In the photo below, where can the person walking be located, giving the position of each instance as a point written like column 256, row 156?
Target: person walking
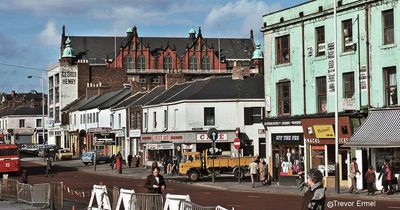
column 24, row 177
column 49, row 167
column 155, row 182
column 130, row 158
column 253, row 166
column 353, row 175
column 313, row 191
column 263, row 172
column 118, row 163
column 169, row 166
column 112, row 161
column 165, row 162
column 370, row 177
column 386, row 173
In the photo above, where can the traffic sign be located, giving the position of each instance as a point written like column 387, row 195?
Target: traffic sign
column 236, row 143
column 212, row 134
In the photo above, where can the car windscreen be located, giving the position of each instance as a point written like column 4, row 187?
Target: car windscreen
column 87, row 154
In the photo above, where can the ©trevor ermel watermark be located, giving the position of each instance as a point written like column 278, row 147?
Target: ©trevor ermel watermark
column 356, row 203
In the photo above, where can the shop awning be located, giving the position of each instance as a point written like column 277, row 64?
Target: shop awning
column 380, row 129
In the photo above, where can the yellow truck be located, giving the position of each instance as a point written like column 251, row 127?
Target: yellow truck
column 197, row 165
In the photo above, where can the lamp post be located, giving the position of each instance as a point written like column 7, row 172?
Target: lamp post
column 43, row 102
column 337, row 179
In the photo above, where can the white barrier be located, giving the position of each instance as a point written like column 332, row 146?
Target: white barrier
column 221, row 208
column 103, row 202
column 125, row 199
column 172, row 201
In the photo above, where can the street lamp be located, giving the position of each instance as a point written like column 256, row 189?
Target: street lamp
column 42, row 83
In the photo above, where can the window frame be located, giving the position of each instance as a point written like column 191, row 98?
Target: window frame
column 388, row 28
column 205, row 63
column 348, row 89
column 281, row 99
column 321, row 89
column 128, row 62
column 388, row 71
column 319, row 39
column 209, row 116
column 168, row 62
column 347, row 25
column 141, row 62
column 193, row 63
column 280, row 51
column 22, row 123
column 154, row 119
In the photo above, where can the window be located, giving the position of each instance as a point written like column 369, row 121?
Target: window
column 283, row 98
column 320, row 40
column 282, row 49
column 128, row 62
column 175, row 117
column 51, row 113
column 57, row 79
column 51, row 96
column 165, row 119
column 167, row 62
column 205, row 63
column 209, row 116
column 111, row 120
column 57, row 114
column 390, row 86
column 347, row 35
column 348, row 85
column 21, row 123
column 253, row 115
column 50, row 82
column 57, row 95
column 38, row 123
column 388, row 27
column 141, row 62
column 119, row 120
column 145, row 120
column 154, row 119
column 321, row 94
column 74, row 119
column 193, row 63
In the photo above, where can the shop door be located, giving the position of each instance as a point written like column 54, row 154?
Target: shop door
column 276, row 164
column 343, row 154
column 262, row 147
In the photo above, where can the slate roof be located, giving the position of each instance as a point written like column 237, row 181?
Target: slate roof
column 24, row 110
column 214, row 88
column 82, row 103
column 96, row 49
column 149, row 96
column 129, row 100
column 116, row 99
column 106, row 100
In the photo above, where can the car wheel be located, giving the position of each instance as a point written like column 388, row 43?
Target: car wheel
column 236, row 173
column 86, row 163
column 193, row 175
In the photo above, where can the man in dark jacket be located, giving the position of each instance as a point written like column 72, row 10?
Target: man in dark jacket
column 313, row 191
column 155, row 183
column 24, row 177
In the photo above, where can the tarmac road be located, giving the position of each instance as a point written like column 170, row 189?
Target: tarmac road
column 80, row 178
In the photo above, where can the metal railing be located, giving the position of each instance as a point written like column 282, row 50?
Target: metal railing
column 147, row 201
column 24, row 193
column 8, row 189
column 187, row 205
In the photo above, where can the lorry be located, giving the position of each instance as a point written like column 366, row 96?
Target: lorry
column 197, row 165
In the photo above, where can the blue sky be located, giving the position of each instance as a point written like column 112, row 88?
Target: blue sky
column 30, row 29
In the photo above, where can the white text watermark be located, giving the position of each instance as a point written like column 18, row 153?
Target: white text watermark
column 357, row 203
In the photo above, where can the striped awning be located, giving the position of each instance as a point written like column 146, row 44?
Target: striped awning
column 380, row 129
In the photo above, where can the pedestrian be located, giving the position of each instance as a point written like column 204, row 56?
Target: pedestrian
column 263, row 172
column 165, row 162
column 112, row 161
column 370, row 177
column 49, row 167
column 313, row 191
column 24, row 177
column 169, row 166
column 175, row 166
column 130, row 158
column 253, row 173
column 118, row 163
column 155, row 182
column 138, row 161
column 353, row 175
column 387, row 174
column 154, row 164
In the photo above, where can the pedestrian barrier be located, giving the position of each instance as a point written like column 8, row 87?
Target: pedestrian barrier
column 125, row 198
column 99, row 193
column 187, row 205
column 24, row 193
column 172, row 201
column 8, row 188
column 221, row 208
column 56, row 194
column 115, row 197
column 146, row 201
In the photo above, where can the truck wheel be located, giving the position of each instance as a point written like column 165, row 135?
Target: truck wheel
column 193, row 175
column 236, row 173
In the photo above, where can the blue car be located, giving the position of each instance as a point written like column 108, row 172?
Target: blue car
column 87, row 157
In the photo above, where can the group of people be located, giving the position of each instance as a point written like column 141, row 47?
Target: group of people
column 385, row 173
column 259, row 172
column 170, row 165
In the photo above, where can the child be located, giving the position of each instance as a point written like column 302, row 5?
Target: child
column 370, row 177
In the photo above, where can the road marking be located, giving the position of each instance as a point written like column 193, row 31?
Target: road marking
column 393, row 207
column 253, row 196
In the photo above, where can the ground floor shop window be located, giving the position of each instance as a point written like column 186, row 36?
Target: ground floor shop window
column 391, row 154
column 158, row 155
column 288, row 160
column 318, row 153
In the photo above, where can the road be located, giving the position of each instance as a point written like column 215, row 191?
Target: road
column 80, row 181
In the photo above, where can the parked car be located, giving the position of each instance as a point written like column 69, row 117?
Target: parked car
column 64, row 154
column 32, row 149
column 51, row 148
column 87, row 157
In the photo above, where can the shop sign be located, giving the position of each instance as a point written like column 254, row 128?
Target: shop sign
column 324, row 131
column 349, row 103
column 261, row 131
column 99, row 130
column 118, row 133
column 134, row 133
column 165, row 146
column 187, row 146
column 103, row 141
column 282, row 123
column 152, row 146
column 203, row 137
column 287, row 138
column 23, row 131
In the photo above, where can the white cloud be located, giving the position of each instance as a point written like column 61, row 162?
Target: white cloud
column 238, row 17
column 48, row 36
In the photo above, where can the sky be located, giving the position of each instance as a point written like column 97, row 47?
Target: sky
column 30, row 30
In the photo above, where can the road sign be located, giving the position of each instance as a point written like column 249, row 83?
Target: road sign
column 236, row 143
column 212, row 134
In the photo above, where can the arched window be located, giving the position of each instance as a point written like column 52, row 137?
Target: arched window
column 167, row 62
column 141, row 62
column 205, row 63
column 128, row 62
column 193, row 63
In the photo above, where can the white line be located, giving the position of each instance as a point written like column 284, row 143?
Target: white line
column 392, row 207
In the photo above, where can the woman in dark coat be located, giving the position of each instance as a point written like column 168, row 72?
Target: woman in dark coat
column 24, row 177
column 155, row 183
column 387, row 175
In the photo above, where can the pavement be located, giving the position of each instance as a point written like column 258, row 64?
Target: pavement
column 222, row 182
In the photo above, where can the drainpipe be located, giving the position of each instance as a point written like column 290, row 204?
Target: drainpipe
column 367, row 52
column 359, row 56
column 303, row 68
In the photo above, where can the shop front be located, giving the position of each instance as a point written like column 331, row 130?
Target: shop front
column 319, row 138
column 119, row 142
column 222, row 144
column 100, row 139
